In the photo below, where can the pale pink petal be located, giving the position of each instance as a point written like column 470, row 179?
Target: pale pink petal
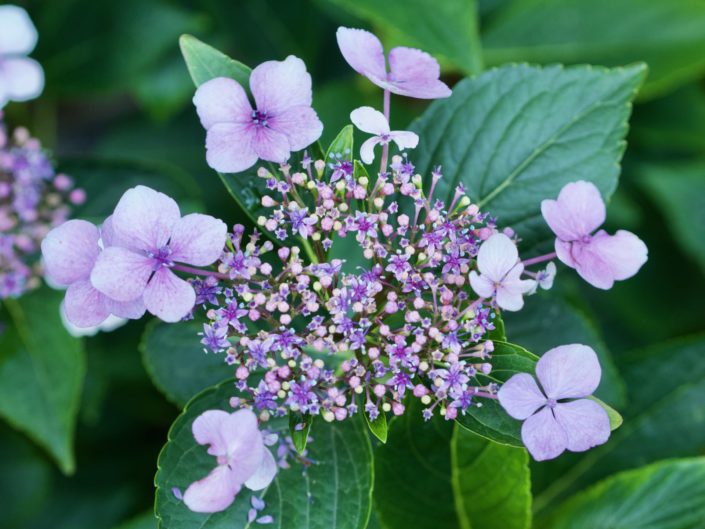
column 21, row 78
column 18, row 36
column 415, row 73
column 271, row 145
column 280, row 85
column 578, row 211
column 108, row 237
column 481, row 285
column 145, row 217
column 369, row 120
column 169, row 297
column 564, row 251
column 244, row 441
column 84, row 305
column 569, row 371
column 121, row 274
column 591, row 266
column 543, row 436
column 264, row 474
column 214, row 493
column 497, row 256
column 198, row 239
column 622, row 254
column 363, row 51
column 230, row 147
column 585, row 422
column 70, row 251
column 405, row 139
column 131, row 310
column 509, row 299
column 520, row 396
column 207, row 430
column 367, row 150
column 299, row 124
column 222, row 100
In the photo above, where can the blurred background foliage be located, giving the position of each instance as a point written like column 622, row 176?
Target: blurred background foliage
column 116, row 111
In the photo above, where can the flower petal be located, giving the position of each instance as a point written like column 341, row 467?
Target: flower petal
column 206, row 429
column 569, row 371
column 280, row 85
column 414, row 73
column 363, row 51
column 369, row 120
column 214, row 493
column 520, row 396
column 405, row 139
column 222, row 100
column 132, row 310
column 264, row 474
column 578, row 211
column 481, row 285
column 299, row 124
column 18, row 36
column 244, row 441
column 121, row 274
column 271, row 145
column 169, row 297
column 564, row 251
column 70, row 251
column 230, row 147
column 367, row 150
column 198, row 239
column 497, row 256
column 585, row 422
column 610, row 257
column 84, row 305
column 21, row 79
column 510, row 299
column 145, row 217
column 543, row 436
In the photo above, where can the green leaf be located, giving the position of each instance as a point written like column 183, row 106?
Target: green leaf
column 548, row 321
column 666, row 495
column 668, row 36
column 333, row 492
column 616, row 419
column 490, row 420
column 434, row 475
column 516, row 135
column 205, row 63
column 378, row 427
column 410, row 23
column 664, row 419
column 143, row 521
column 679, row 190
column 341, row 148
column 177, row 363
column 41, row 374
column 299, row 429
column 491, row 482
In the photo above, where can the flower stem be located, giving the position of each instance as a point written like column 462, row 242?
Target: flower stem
column 539, row 259
column 385, row 147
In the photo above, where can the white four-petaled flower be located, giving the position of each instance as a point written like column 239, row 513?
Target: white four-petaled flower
column 372, row 121
column 21, row 78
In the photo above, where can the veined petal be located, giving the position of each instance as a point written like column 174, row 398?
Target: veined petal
column 264, row 474
column 280, row 85
column 230, row 147
column 271, row 145
column 363, row 51
column 198, row 239
column 510, row 299
column 569, row 371
column 18, row 36
column 214, row 493
column 244, row 442
column 21, row 78
column 84, row 305
column 543, row 436
column 564, row 251
column 497, row 256
column 369, row 120
column 121, row 274
column 222, row 100
column 585, row 422
column 207, row 430
column 70, row 251
column 145, row 217
column 520, row 396
column 405, row 139
column 414, row 73
column 578, row 211
column 481, row 285
column 367, row 149
column 131, row 310
column 611, row 257
column 299, row 124
column 169, row 297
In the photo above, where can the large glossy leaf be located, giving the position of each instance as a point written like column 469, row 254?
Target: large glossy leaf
column 668, row 36
column 516, row 135
column 434, row 475
column 409, row 23
column 664, row 419
column 177, row 362
column 666, row 495
column 333, row 492
column 547, row 321
column 41, row 374
column 205, row 62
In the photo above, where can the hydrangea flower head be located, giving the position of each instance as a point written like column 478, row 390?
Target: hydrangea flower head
column 243, row 459
column 372, row 121
column 412, row 72
column 281, row 122
column 500, row 273
column 21, row 78
column 147, row 237
column 557, row 416
column 600, row 258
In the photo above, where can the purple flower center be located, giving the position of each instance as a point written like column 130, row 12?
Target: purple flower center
column 162, row 258
column 551, row 403
column 259, row 118
column 585, row 239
